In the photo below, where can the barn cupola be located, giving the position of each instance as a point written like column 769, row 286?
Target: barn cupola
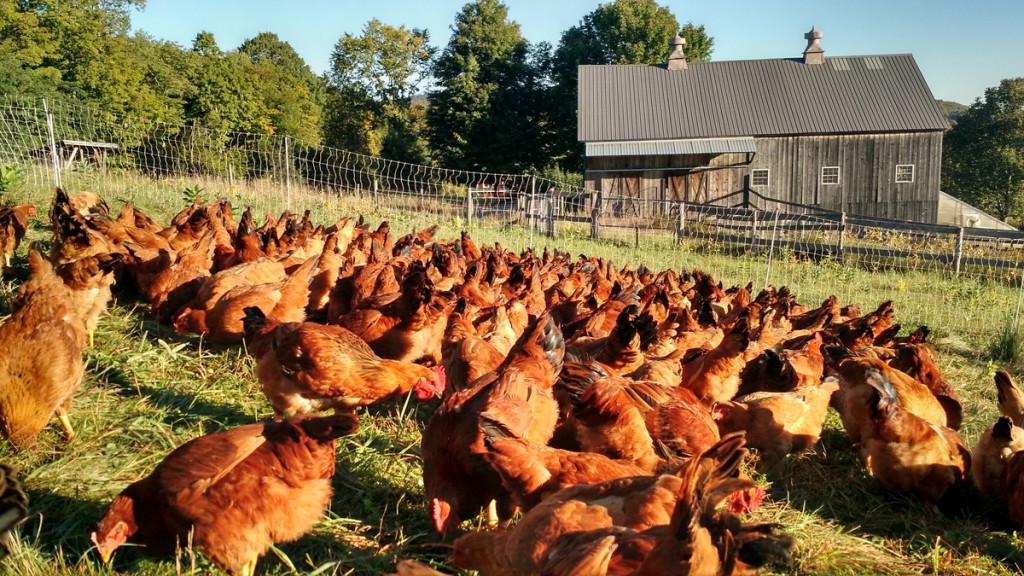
column 676, row 57
column 814, row 53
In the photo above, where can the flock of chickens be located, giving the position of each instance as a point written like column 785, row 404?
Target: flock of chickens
column 610, row 407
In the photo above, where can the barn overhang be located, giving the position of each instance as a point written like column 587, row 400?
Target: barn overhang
column 743, row 144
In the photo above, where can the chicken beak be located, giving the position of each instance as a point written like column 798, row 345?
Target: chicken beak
column 103, row 550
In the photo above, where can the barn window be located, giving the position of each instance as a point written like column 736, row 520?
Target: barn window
column 759, row 177
column 830, row 174
column 904, row 173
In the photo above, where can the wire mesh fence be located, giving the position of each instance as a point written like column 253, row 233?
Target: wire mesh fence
column 743, row 237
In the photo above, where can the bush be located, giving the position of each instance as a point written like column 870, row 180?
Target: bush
column 1007, row 344
column 10, row 176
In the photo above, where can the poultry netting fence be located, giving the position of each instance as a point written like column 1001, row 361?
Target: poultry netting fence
column 957, row 278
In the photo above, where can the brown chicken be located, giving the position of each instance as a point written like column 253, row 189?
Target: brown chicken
column 1011, row 401
column 73, row 238
column 465, row 355
column 13, row 225
column 34, row 385
column 919, row 360
column 531, row 473
column 714, row 376
column 637, row 503
column 640, row 525
column 908, row 453
column 1012, row 488
column 404, row 326
column 13, row 505
column 284, row 301
column 778, row 369
column 683, row 424
column 457, row 480
column 306, row 367
column 777, row 423
column 609, row 413
column 854, row 369
column 230, row 494
column 90, row 280
column 995, row 447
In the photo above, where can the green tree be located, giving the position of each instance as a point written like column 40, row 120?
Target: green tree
column 373, row 79
column 983, row 158
column 224, row 90
column 49, row 45
column 292, row 94
column 620, row 32
column 491, row 97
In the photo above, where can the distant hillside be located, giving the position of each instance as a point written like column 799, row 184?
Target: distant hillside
column 951, row 110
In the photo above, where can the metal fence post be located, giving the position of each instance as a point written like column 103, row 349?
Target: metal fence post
column 287, row 174
column 595, row 213
column 469, row 206
column 753, row 231
column 958, row 252
column 842, row 236
column 54, row 159
column 681, row 230
column 376, row 197
column 551, row 215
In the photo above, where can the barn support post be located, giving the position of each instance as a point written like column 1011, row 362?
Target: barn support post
column 595, row 213
column 746, row 191
column 469, row 206
column 842, row 236
column 958, row 251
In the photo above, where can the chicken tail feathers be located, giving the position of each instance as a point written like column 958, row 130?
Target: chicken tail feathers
column 886, row 401
column 542, row 338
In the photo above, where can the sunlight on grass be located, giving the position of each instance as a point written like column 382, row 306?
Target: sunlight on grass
column 147, row 390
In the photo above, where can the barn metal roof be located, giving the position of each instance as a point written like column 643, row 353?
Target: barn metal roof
column 845, row 95
column 672, row 147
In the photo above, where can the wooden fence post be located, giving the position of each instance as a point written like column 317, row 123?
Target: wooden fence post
column 842, row 236
column 469, row 206
column 958, row 252
column 595, row 213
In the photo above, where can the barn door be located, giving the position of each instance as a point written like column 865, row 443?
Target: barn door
column 626, row 195
column 689, row 186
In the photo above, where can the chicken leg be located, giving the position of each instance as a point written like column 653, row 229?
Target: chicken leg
column 62, row 415
column 250, row 567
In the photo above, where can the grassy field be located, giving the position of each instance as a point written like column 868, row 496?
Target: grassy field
column 147, row 390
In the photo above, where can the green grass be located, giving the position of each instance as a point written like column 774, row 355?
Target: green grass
column 147, row 390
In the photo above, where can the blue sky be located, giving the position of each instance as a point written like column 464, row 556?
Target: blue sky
column 962, row 48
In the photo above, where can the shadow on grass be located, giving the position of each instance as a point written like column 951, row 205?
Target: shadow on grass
column 833, row 484
column 62, row 523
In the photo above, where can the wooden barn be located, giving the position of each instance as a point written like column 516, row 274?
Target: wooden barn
column 860, row 134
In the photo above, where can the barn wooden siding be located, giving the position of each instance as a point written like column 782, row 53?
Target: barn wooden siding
column 867, row 175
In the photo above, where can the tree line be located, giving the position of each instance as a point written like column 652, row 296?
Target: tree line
column 487, row 100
